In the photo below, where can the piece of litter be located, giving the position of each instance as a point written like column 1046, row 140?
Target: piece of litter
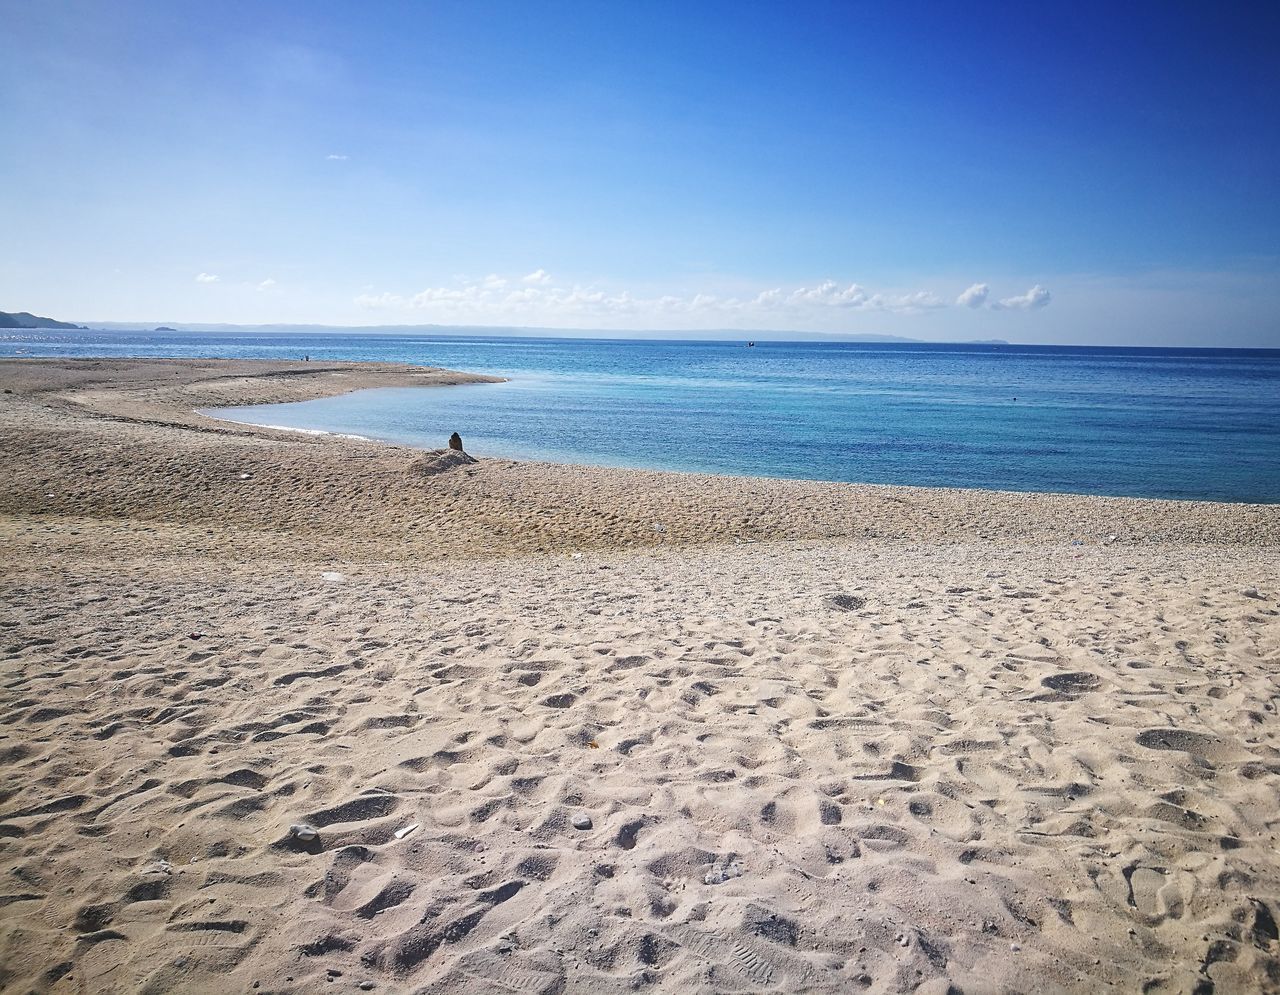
column 405, row 831
column 245, row 476
column 333, row 576
column 303, row 832
column 576, row 556
column 159, row 867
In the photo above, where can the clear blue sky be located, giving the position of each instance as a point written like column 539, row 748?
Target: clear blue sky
column 1071, row 173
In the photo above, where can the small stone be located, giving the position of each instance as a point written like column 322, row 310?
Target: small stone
column 1015, row 947
column 581, row 820
column 1253, row 592
column 366, row 986
column 304, row 833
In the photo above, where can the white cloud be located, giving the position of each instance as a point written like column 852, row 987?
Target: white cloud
column 378, row 302
column 335, row 157
column 1035, row 298
column 829, row 294
column 535, row 297
column 206, row 278
column 979, row 296
column 267, row 284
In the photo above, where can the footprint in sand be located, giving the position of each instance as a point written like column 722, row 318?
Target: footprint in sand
column 1198, row 744
column 1076, row 682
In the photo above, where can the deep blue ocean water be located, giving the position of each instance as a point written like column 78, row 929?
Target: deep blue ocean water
column 1176, row 423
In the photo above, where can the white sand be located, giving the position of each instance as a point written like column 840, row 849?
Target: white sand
column 1010, row 763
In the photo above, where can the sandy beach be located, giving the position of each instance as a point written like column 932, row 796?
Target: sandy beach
column 548, row 728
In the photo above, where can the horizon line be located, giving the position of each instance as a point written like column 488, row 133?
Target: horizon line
column 605, row 334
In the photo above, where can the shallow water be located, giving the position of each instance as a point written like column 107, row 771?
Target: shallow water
column 1174, row 423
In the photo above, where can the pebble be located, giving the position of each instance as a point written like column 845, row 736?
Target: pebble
column 581, row 821
column 1253, row 592
column 303, row 832
column 1015, row 947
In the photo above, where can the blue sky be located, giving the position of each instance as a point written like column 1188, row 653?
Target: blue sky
column 936, row 170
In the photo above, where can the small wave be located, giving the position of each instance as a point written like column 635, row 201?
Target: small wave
column 288, row 428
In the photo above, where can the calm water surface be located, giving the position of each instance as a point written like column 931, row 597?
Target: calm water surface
column 1174, row 423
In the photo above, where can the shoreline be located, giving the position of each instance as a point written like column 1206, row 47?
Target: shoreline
column 315, row 380
column 746, row 478
column 120, row 441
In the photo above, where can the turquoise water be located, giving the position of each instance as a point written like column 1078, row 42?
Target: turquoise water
column 1177, row 423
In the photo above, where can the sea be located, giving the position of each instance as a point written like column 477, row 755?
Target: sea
column 1198, row 424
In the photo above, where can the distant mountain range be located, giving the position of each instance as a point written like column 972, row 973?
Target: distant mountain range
column 25, row 319
column 713, row 335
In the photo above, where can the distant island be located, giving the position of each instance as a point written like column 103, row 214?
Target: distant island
column 165, row 328
column 25, row 319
